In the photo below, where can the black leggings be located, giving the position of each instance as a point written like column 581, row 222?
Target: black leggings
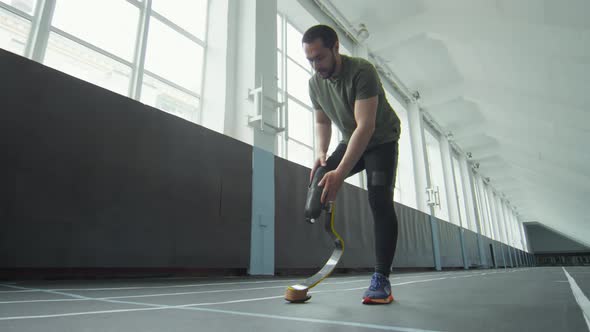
column 380, row 163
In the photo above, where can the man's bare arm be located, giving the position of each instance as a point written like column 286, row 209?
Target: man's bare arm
column 323, row 127
column 365, row 112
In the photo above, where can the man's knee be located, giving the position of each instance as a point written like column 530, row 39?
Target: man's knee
column 380, row 197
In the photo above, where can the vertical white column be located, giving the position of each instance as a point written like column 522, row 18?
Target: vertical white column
column 525, row 242
column 500, row 227
column 472, row 179
column 462, row 223
column 516, row 237
column 417, row 142
column 497, row 205
column 507, row 229
column 469, row 201
column 361, row 51
column 40, row 28
column 255, row 53
column 447, row 163
column 136, row 81
column 494, row 222
column 254, row 50
column 422, row 175
column 494, row 217
column 483, row 206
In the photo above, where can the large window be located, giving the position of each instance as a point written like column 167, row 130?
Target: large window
column 489, row 197
column 480, row 205
column 25, row 6
column 86, row 63
column 175, row 57
column 152, row 51
column 405, row 185
column 15, row 24
column 94, row 41
column 459, row 192
column 297, row 142
column 110, row 25
column 188, row 15
column 501, row 221
column 435, row 167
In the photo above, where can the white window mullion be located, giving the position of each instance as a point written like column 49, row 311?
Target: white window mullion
column 40, row 28
column 16, row 11
column 284, row 87
column 136, row 81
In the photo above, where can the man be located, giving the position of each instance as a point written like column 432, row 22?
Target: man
column 347, row 91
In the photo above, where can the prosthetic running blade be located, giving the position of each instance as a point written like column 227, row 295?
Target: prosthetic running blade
column 298, row 293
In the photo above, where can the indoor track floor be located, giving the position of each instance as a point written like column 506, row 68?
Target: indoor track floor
column 523, row 299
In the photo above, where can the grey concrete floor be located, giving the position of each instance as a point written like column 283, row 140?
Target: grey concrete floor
column 524, row 299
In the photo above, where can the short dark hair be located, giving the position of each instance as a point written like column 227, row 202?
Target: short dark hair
column 323, row 32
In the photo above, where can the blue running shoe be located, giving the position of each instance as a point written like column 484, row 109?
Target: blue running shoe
column 379, row 292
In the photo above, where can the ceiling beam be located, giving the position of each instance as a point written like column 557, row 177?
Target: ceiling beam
column 491, row 26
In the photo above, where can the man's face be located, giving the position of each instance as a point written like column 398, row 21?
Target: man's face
column 321, row 58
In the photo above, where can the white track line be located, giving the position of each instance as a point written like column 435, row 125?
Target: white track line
column 153, row 287
column 57, row 291
column 202, row 285
column 83, row 298
column 160, row 287
column 192, row 305
column 581, row 299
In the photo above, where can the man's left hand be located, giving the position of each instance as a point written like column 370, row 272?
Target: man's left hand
column 332, row 181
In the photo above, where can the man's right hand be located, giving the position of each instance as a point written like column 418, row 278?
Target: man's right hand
column 321, row 161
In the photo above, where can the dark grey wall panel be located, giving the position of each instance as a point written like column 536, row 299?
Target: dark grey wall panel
column 93, row 179
column 450, row 244
column 486, row 249
column 414, row 246
column 299, row 244
column 545, row 240
column 471, row 248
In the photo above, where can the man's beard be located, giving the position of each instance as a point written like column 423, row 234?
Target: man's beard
column 332, row 70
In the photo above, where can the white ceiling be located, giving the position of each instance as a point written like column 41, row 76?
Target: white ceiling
column 511, row 81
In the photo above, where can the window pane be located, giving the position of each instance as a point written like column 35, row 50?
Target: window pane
column 489, row 211
column 405, row 162
column 300, row 125
column 280, row 71
column 300, row 154
column 279, row 32
column 108, row 24
column 191, row 15
column 27, row 6
column 295, row 48
column 161, row 95
column 76, row 60
column 13, row 32
column 334, row 140
column 460, row 193
column 480, row 207
column 174, row 57
column 484, row 209
column 297, row 82
column 344, row 50
column 436, row 174
column 355, row 180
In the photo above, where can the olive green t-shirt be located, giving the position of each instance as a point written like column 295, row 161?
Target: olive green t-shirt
column 335, row 96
